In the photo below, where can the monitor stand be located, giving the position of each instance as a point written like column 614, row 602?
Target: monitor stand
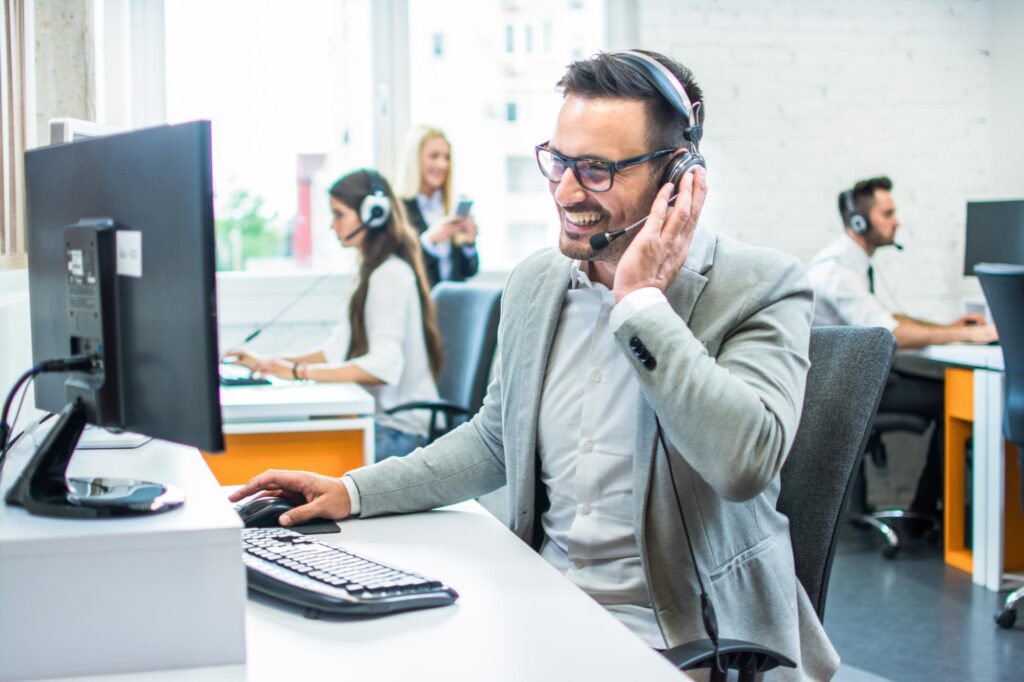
column 44, row 489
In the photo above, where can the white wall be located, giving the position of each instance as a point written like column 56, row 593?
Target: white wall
column 1007, row 50
column 806, row 96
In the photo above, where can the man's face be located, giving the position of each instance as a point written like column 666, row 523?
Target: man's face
column 611, row 130
column 882, row 217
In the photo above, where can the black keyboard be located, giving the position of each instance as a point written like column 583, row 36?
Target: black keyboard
column 243, row 381
column 328, row 579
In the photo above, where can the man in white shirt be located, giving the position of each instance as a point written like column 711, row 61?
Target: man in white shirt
column 670, row 330
column 844, row 289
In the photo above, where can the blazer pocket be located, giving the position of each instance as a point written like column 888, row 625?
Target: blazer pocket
column 740, row 559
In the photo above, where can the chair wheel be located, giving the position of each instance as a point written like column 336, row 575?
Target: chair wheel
column 890, row 551
column 1006, row 618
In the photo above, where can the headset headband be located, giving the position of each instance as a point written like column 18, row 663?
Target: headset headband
column 665, row 82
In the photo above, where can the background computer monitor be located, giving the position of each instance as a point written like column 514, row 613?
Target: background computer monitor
column 147, row 196
column 74, row 129
column 995, row 233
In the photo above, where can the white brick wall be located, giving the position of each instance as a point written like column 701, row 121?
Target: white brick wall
column 806, row 96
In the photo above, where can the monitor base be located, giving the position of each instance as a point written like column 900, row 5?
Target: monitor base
column 44, row 489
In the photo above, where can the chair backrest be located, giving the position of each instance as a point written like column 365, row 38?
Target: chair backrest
column 1004, row 291
column 849, row 366
column 467, row 315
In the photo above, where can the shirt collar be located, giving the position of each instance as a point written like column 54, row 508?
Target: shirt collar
column 852, row 253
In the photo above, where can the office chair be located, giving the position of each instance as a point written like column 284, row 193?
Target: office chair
column 875, row 451
column 849, row 366
column 467, row 315
column 1004, row 291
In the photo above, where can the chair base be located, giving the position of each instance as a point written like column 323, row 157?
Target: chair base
column 876, row 520
column 1007, row 617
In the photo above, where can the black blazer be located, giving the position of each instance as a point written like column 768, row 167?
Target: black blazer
column 463, row 267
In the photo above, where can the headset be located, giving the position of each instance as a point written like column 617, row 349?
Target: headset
column 665, row 82
column 375, row 208
column 856, row 221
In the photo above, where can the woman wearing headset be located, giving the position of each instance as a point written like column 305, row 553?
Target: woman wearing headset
column 448, row 240
column 388, row 338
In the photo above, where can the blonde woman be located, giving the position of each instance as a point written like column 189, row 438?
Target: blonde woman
column 387, row 339
column 448, row 240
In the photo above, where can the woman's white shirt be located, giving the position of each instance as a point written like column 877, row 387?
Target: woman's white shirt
column 397, row 352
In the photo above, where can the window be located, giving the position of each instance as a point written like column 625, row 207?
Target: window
column 523, row 175
column 528, row 39
column 438, row 45
column 495, row 104
column 288, row 92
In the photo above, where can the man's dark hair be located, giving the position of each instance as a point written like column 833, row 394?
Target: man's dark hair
column 863, row 196
column 604, row 75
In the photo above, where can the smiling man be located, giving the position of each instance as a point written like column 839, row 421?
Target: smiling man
column 669, row 337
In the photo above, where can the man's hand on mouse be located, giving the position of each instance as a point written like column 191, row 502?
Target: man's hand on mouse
column 325, row 497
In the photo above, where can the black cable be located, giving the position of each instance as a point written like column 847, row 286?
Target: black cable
column 78, row 363
column 707, row 608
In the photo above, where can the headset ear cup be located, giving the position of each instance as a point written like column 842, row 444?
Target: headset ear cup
column 375, row 211
column 858, row 223
column 679, row 165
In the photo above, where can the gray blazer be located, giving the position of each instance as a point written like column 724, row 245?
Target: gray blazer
column 730, row 350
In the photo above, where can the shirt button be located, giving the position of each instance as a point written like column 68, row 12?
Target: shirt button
column 596, row 377
column 578, row 563
column 585, row 509
column 588, row 446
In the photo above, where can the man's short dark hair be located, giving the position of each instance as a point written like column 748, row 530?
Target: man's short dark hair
column 604, row 75
column 863, row 196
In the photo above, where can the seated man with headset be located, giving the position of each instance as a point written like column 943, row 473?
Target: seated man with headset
column 844, row 287
column 649, row 384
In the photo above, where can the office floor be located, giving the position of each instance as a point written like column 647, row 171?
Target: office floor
column 914, row 618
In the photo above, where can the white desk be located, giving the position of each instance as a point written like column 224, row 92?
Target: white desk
column 516, row 618
column 325, row 427
column 988, row 485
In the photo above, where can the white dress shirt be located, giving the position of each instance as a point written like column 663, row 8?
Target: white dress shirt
column 842, row 291
column 586, row 438
column 586, row 435
column 397, row 352
column 432, row 208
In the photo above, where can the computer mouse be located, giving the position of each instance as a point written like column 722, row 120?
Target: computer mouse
column 263, row 512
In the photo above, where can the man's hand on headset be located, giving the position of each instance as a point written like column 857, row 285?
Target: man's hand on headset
column 660, row 248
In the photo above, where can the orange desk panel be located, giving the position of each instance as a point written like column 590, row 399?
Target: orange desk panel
column 959, row 422
column 331, row 453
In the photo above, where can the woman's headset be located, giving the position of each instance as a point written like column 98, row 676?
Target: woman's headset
column 674, row 93
column 375, row 208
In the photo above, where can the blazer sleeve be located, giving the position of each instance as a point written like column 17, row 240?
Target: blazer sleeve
column 732, row 418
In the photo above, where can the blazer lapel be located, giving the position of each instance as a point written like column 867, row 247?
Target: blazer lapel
column 682, row 295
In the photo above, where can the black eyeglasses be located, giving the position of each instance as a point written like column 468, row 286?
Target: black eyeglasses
column 592, row 174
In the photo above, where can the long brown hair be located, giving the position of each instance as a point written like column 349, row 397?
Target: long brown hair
column 379, row 244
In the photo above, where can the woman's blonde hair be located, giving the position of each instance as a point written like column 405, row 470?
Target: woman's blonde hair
column 412, row 170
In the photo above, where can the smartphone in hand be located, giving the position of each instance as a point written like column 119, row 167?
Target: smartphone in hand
column 463, row 208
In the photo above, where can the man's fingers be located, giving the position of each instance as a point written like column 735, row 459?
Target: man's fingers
column 659, row 209
column 271, row 480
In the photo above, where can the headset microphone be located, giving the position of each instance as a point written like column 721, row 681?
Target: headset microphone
column 603, row 239
column 899, row 247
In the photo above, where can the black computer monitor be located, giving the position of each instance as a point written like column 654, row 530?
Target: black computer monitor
column 121, row 270
column 995, row 233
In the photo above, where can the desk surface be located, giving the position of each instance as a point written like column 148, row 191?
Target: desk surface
column 293, row 401
column 516, row 618
column 971, row 355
